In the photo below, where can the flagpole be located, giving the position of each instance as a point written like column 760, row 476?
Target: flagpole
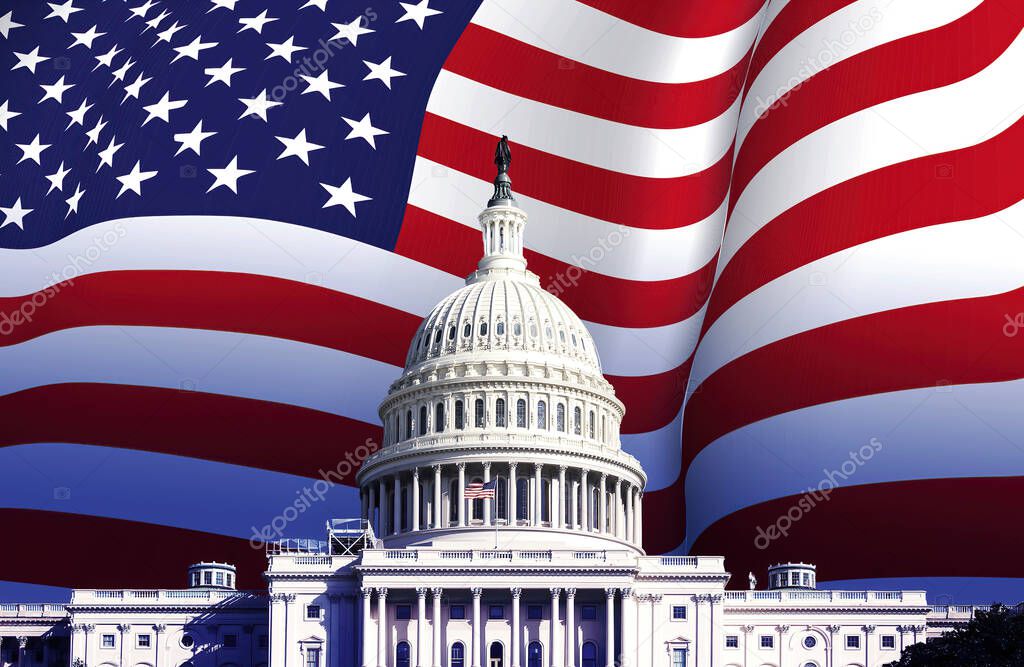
column 494, row 504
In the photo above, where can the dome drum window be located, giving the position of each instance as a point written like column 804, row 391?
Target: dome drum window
column 521, row 413
column 478, row 413
column 560, row 418
column 576, row 418
column 467, row 330
column 423, row 420
column 542, row 415
column 460, row 416
column 499, row 413
column 499, row 328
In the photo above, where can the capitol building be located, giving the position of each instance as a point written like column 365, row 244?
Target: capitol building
column 502, row 526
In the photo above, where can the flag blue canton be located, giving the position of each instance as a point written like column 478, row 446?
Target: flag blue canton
column 229, row 107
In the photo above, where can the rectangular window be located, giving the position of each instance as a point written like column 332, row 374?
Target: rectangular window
column 679, row 657
column 312, row 657
column 888, row 641
column 142, row 641
column 732, row 641
column 588, row 612
column 534, row 612
column 207, row 578
column 313, row 611
column 852, row 641
column 107, row 641
column 457, row 612
column 678, row 612
column 767, row 641
column 496, row 612
column 230, row 641
column 220, row 578
column 403, row 612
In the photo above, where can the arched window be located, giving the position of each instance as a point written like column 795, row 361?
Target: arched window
column 453, row 502
column 542, row 415
column 501, row 497
column 499, row 412
column 460, row 416
column 590, row 425
column 402, row 654
column 408, row 424
column 561, row 336
column 533, row 330
column 589, row 655
column 577, row 417
column 517, row 328
column 499, row 328
column 478, row 503
column 522, row 499
column 483, row 328
column 451, row 332
column 439, row 418
column 478, row 413
column 458, row 655
column 534, row 655
column 521, row 413
column 467, row 330
column 560, row 418
column 497, row 655
column 574, row 340
column 423, row 420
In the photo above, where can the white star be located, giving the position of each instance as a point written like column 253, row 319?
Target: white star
column 319, row 4
column 168, row 34
column 135, row 87
column 298, row 147
column 107, row 59
column 255, row 23
column 107, row 155
column 6, row 114
column 56, row 91
column 78, row 115
column 320, row 84
column 350, row 31
column 222, row 73
column 85, row 38
column 258, row 105
column 192, row 140
column 133, row 180
column 63, row 12
column 122, row 71
column 15, row 215
column 142, row 9
column 29, row 60
column 94, row 133
column 363, row 129
column 32, row 151
column 154, row 23
column 284, row 50
column 73, row 200
column 382, row 71
column 228, row 176
column 57, row 178
column 192, row 50
column 226, row 4
column 343, row 195
column 163, row 108
column 418, row 12
column 7, row 24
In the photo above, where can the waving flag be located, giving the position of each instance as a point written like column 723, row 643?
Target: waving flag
column 222, row 222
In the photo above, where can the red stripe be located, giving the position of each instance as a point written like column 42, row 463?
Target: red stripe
column 217, row 301
column 453, row 247
column 240, row 431
column 634, row 201
column 949, row 342
column 935, row 189
column 82, row 551
column 652, row 401
column 841, row 535
column 681, row 18
column 664, row 517
column 913, row 64
column 483, row 55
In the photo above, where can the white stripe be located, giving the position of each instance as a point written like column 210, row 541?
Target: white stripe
column 169, row 490
column 620, row 251
column 957, row 260
column 641, row 151
column 943, row 119
column 584, row 34
column 659, row 452
column 937, row 432
column 853, row 29
column 297, row 253
column 941, row 590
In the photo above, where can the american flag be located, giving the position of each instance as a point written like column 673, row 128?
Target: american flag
column 223, row 221
column 476, row 490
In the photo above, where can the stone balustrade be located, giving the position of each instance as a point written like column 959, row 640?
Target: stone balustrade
column 830, row 597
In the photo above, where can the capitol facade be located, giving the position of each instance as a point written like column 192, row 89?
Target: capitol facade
column 502, row 526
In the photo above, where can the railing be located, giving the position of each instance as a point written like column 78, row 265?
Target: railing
column 313, row 560
column 685, row 561
column 832, row 597
column 169, row 596
column 9, row 609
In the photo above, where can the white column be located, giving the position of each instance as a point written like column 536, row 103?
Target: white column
column 382, row 628
column 415, row 500
column 629, row 633
column 475, row 645
column 436, row 620
column 289, row 636
column 462, row 492
column 584, row 501
column 275, row 630
column 570, row 627
column 629, row 512
column 639, row 519
column 382, row 507
column 609, row 632
column 559, row 521
column 536, row 494
column 617, row 515
column 397, row 505
column 421, row 627
column 368, row 640
column 437, row 513
column 602, row 506
column 554, row 659
column 487, row 501
column 512, row 500
column 514, row 649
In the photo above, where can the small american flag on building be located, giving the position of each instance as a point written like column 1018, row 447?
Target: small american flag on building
column 476, row 490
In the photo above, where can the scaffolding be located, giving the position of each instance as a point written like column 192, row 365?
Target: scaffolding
column 348, row 537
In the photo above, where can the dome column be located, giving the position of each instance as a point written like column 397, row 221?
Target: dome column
column 487, row 501
column 617, row 517
column 536, row 494
column 437, row 499
column 574, row 505
column 382, row 494
column 584, row 501
column 513, row 493
column 416, row 502
column 371, row 508
column 629, row 512
column 396, row 505
column 560, row 514
column 602, row 508
column 462, row 492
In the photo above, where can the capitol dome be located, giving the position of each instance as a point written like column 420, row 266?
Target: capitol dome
column 502, row 418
